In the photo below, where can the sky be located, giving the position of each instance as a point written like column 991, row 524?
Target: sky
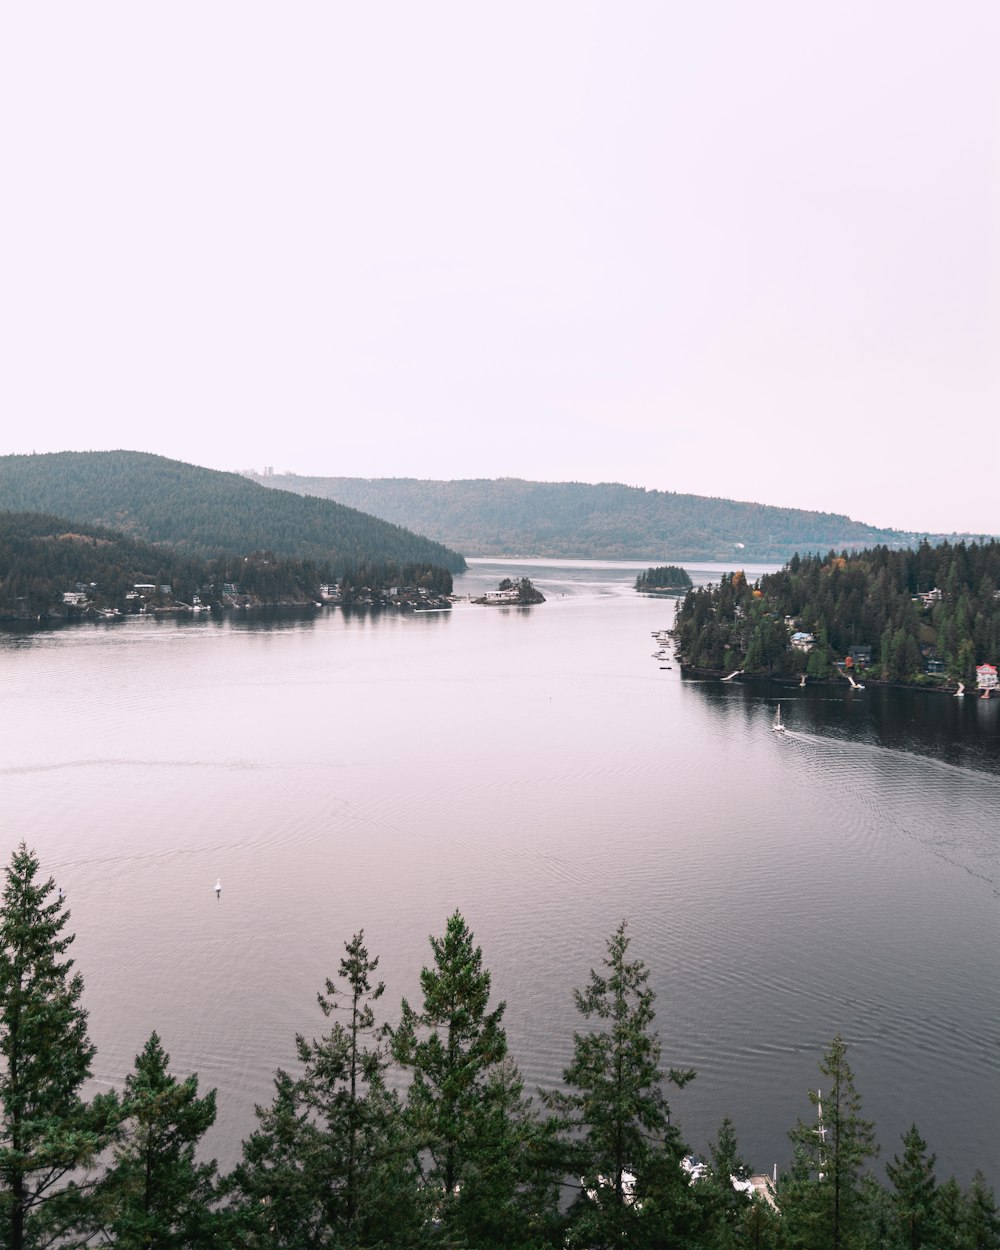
column 743, row 250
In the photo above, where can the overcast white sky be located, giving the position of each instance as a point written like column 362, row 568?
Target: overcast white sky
column 749, row 250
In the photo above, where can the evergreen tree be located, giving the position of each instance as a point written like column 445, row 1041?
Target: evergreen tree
column 728, row 1205
column 155, row 1196
column 337, row 1066
column 914, row 1191
column 47, row 1132
column 668, row 1210
column 981, row 1226
column 615, row 1108
column 486, row 1164
column 951, row 1210
column 824, row 1199
column 274, row 1190
column 761, row 1226
column 329, row 1164
column 451, row 1047
column 343, row 1088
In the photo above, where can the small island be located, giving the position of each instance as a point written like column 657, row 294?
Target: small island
column 509, row 593
column 666, row 580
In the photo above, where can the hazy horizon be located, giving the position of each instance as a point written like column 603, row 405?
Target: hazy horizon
column 279, row 473
column 747, row 253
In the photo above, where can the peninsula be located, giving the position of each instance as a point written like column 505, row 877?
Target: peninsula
column 929, row 616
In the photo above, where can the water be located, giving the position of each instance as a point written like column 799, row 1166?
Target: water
column 538, row 770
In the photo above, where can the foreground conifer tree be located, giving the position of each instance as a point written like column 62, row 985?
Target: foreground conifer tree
column 981, row 1222
column 154, row 1193
column 823, row 1199
column 488, row 1166
column 47, row 1131
column 616, row 1111
column 914, row 1192
column 727, row 1205
column 330, row 1163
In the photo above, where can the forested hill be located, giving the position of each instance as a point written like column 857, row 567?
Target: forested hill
column 509, row 516
column 917, row 616
column 205, row 512
column 53, row 569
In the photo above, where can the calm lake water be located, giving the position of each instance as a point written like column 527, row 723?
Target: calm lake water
column 538, row 770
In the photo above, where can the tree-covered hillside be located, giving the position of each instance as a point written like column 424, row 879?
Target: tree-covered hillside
column 932, row 608
column 509, row 516
column 205, row 512
column 51, row 568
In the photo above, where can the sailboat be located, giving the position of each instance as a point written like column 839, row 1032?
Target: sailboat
column 778, row 727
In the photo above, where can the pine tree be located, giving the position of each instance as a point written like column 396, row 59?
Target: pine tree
column 615, row 1108
column 451, row 1047
column 487, row 1165
column 981, row 1226
column 951, row 1208
column 914, row 1191
column 343, row 1088
column 274, row 1189
column 824, row 1198
column 155, row 1195
column 728, row 1205
column 330, row 1162
column 47, row 1132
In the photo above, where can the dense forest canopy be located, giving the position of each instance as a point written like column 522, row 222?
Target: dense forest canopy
column 410, row 1128
column 205, row 512
column 508, row 516
column 936, row 607
column 43, row 558
column 666, row 577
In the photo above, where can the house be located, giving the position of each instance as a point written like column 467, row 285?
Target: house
column 74, row 598
column 802, row 641
column 929, row 597
column 860, row 657
column 986, row 678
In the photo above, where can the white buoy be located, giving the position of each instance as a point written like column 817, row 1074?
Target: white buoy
column 218, row 887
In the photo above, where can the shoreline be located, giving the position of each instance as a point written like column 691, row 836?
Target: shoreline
column 949, row 686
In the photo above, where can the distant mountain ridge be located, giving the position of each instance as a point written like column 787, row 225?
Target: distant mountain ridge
column 206, row 512
column 510, row 516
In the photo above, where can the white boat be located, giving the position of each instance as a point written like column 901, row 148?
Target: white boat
column 778, row 727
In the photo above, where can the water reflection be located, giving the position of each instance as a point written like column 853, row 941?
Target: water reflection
column 960, row 731
column 541, row 771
